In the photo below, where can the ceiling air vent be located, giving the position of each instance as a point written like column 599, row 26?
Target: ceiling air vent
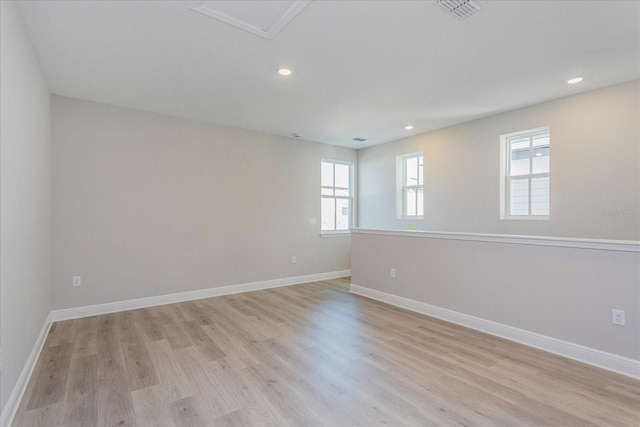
column 360, row 139
column 461, row 9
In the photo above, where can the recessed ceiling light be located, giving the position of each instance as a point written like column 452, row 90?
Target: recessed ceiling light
column 284, row 71
column 408, row 127
column 574, row 80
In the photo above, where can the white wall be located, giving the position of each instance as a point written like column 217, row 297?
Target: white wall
column 25, row 251
column 145, row 205
column 595, row 167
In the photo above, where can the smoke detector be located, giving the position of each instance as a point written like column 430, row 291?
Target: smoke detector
column 461, row 9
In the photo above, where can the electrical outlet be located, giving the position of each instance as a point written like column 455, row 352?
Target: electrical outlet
column 617, row 317
column 393, row 273
column 294, row 259
column 77, row 281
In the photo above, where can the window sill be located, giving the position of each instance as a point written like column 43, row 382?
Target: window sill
column 527, row 218
column 409, row 218
column 342, row 233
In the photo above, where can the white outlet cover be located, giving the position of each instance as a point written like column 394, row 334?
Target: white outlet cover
column 617, row 317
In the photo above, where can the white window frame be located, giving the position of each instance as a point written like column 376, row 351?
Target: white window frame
column 350, row 198
column 505, row 172
column 401, row 187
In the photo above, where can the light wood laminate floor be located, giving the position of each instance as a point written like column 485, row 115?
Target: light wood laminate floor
column 313, row 355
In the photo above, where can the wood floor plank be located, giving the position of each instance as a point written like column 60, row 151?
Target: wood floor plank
column 86, row 338
column 230, row 346
column 188, row 412
column 156, row 416
column 51, row 376
column 234, row 419
column 111, row 367
column 307, row 355
column 139, row 367
column 282, row 397
column 47, row 416
column 150, row 324
column 255, row 405
column 165, row 361
column 62, row 332
column 176, row 336
column 194, row 312
column 113, row 406
column 202, row 341
column 202, row 381
column 80, row 395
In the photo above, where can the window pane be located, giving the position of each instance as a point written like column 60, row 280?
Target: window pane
column 519, row 161
column 420, row 202
column 410, row 197
column 342, row 217
column 328, row 213
column 342, row 192
column 541, row 139
column 342, row 176
column 540, row 196
column 411, row 168
column 541, row 159
column 327, row 174
column 519, row 197
column 420, row 170
column 327, row 191
column 520, row 143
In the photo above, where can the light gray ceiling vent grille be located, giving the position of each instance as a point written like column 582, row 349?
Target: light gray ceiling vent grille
column 461, row 9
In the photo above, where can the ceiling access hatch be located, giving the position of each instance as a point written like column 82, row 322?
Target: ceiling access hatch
column 262, row 18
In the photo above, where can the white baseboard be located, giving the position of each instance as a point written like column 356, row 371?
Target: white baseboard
column 113, row 307
column 591, row 356
column 10, row 409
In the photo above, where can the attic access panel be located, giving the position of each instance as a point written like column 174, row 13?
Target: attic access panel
column 262, row 18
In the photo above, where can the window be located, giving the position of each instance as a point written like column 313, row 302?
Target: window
column 335, row 194
column 525, row 175
column 410, row 185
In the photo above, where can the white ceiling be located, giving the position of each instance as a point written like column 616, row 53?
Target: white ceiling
column 360, row 68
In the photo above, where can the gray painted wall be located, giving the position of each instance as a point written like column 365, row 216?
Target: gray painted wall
column 564, row 293
column 145, row 204
column 25, row 184
column 595, row 167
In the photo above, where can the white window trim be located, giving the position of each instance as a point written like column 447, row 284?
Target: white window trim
column 352, row 212
column 505, row 178
column 401, row 174
column 335, row 233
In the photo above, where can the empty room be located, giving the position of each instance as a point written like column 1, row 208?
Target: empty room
column 319, row 213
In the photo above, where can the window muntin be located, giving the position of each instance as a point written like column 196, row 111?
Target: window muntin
column 526, row 175
column 413, row 185
column 335, row 194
